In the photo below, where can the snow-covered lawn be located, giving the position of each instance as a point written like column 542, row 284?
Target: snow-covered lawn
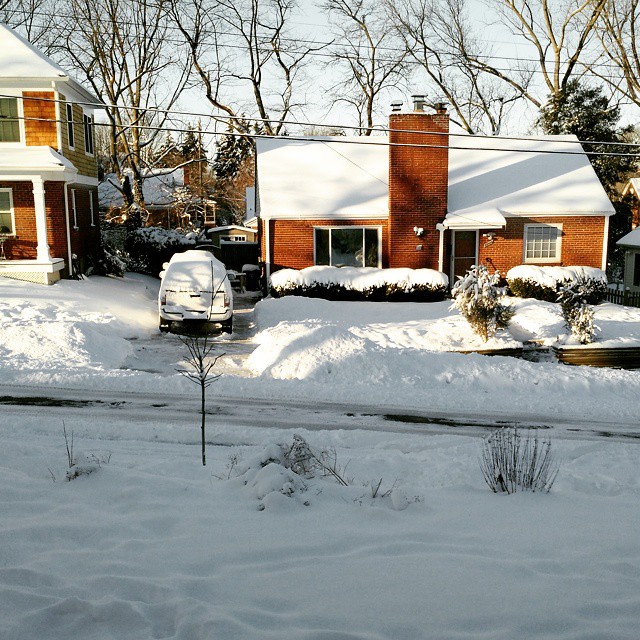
column 153, row 545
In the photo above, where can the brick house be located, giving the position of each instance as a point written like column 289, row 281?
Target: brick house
column 426, row 198
column 48, row 169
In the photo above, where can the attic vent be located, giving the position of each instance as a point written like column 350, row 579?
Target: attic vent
column 396, row 106
column 419, row 102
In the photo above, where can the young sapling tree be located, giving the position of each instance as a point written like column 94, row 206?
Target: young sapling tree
column 201, row 363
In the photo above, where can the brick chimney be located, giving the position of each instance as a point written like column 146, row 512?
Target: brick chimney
column 418, row 182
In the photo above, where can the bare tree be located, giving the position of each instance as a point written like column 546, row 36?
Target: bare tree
column 244, row 47
column 200, row 364
column 439, row 38
column 559, row 31
column 36, row 20
column 122, row 49
column 364, row 53
column 618, row 39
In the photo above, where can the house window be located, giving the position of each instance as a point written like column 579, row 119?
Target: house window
column 347, row 246
column 9, row 120
column 636, row 269
column 234, row 238
column 542, row 242
column 88, row 134
column 70, row 133
column 7, row 225
column 91, row 214
column 74, row 208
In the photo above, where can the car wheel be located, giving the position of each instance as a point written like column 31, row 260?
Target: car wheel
column 227, row 326
column 165, row 326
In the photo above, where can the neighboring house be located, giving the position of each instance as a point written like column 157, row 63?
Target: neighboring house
column 409, row 201
column 48, row 170
column 231, row 233
column 632, row 188
column 169, row 200
column 631, row 245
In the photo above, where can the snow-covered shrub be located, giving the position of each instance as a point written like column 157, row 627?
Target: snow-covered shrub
column 510, row 462
column 107, row 261
column 150, row 247
column 578, row 314
column 360, row 283
column 478, row 297
column 544, row 283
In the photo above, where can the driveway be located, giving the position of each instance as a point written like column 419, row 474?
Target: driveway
column 162, row 352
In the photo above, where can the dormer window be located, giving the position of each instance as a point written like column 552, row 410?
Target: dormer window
column 9, row 120
column 88, row 134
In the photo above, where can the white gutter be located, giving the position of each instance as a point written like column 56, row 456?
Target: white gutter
column 441, row 228
column 66, row 213
column 605, row 243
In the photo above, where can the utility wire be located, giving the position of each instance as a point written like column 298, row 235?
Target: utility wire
column 101, row 105
column 358, row 140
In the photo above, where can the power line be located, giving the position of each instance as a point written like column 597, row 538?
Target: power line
column 167, row 112
column 326, row 44
column 358, row 140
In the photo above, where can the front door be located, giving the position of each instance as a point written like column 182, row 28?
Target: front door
column 464, row 253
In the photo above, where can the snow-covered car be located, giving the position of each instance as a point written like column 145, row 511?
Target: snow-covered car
column 195, row 287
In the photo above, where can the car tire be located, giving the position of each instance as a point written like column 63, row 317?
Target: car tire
column 227, row 326
column 165, row 326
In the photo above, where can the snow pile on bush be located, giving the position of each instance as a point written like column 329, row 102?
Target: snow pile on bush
column 361, row 283
column 544, row 283
column 577, row 312
column 478, row 297
column 150, row 247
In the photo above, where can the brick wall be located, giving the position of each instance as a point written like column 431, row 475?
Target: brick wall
column 582, row 238
column 40, row 133
column 418, row 183
column 24, row 245
column 292, row 240
column 85, row 238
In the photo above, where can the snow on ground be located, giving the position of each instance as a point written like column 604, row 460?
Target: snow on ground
column 153, row 545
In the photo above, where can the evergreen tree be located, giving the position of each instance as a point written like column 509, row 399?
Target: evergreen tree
column 232, row 152
column 587, row 113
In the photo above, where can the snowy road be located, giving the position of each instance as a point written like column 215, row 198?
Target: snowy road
column 148, row 408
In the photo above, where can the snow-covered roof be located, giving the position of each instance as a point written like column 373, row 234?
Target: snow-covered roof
column 158, row 188
column 32, row 160
column 496, row 174
column 21, row 60
column 632, row 239
column 488, row 179
column 229, row 227
column 322, row 178
column 632, row 186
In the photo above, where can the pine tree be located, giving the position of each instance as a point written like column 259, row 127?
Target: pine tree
column 232, row 152
column 587, row 113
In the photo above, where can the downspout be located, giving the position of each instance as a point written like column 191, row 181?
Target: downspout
column 605, row 243
column 66, row 213
column 267, row 244
column 441, row 228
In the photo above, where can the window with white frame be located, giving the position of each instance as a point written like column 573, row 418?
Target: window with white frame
column 7, row 222
column 70, row 131
column 88, row 134
column 542, row 242
column 9, row 120
column 347, row 246
column 74, row 208
column 234, row 238
column 91, row 213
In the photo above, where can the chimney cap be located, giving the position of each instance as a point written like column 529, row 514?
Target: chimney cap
column 396, row 105
column 440, row 106
column 419, row 101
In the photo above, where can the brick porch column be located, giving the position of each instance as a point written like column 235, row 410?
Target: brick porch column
column 41, row 220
